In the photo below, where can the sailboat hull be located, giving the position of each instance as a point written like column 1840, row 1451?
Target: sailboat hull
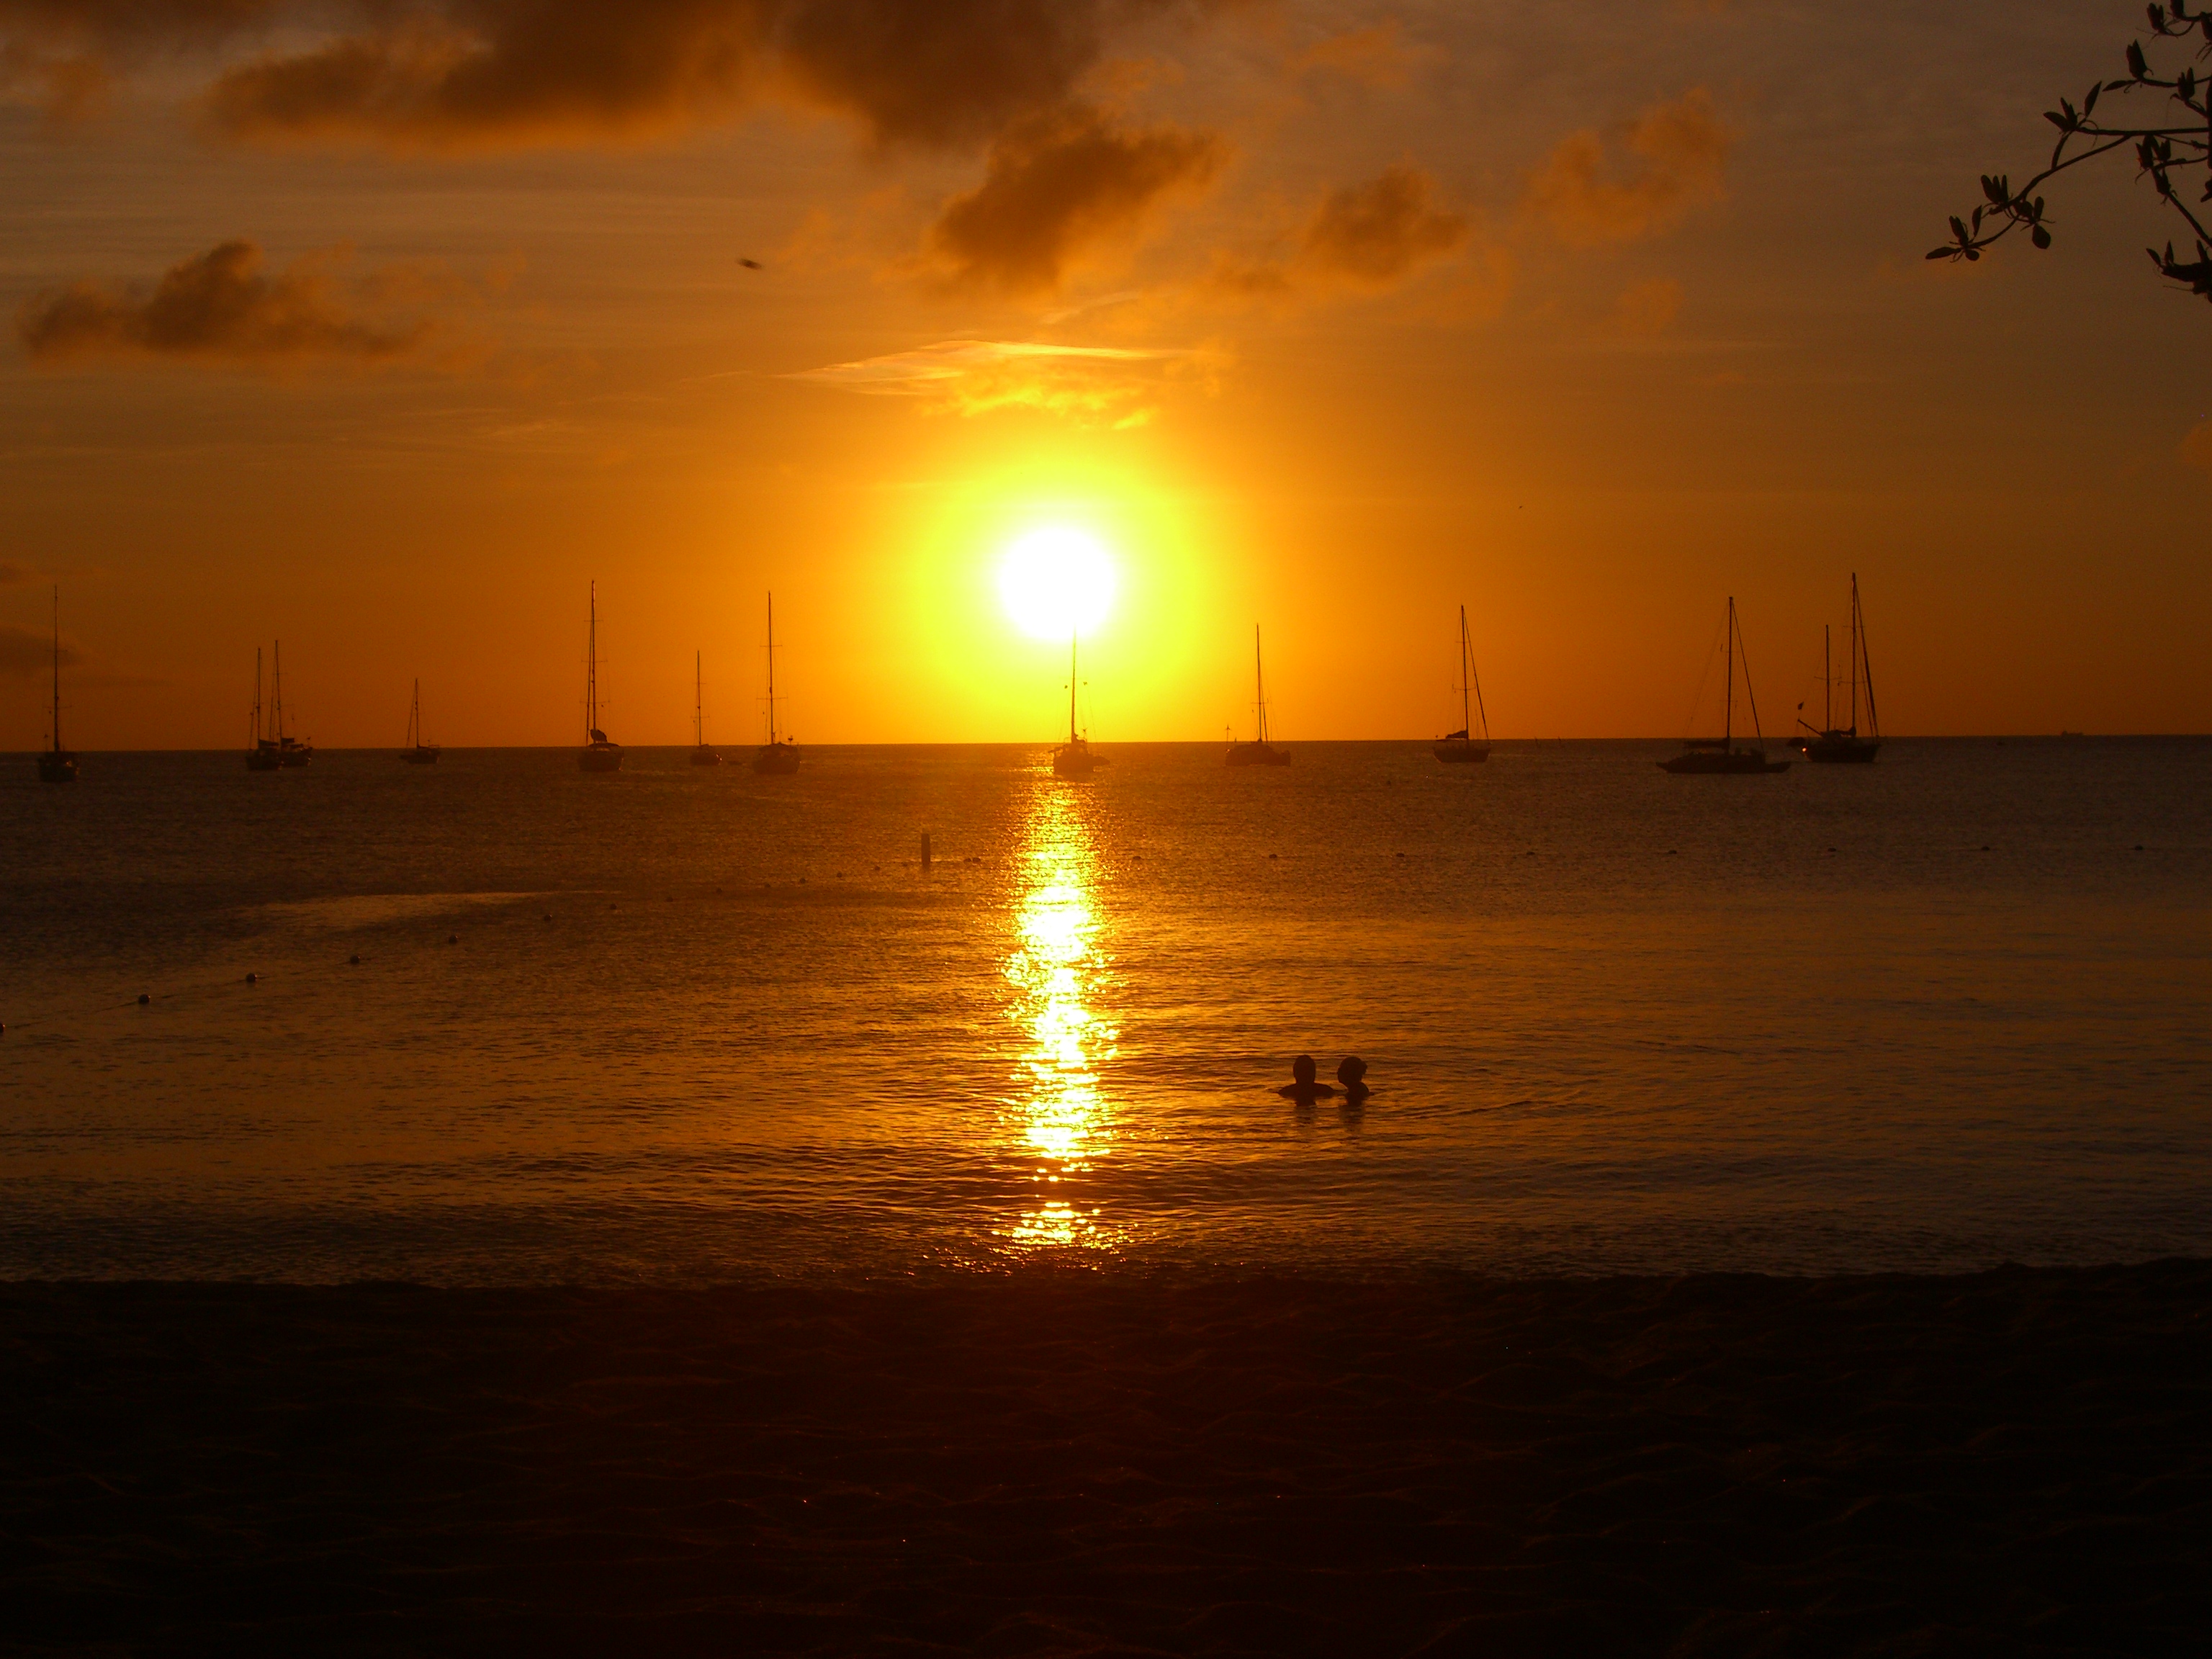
column 1458, row 751
column 58, row 766
column 1255, row 754
column 777, row 759
column 419, row 756
column 703, row 756
column 600, row 757
column 1838, row 748
column 1073, row 760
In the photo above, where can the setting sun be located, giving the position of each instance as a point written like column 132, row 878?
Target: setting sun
column 1056, row 580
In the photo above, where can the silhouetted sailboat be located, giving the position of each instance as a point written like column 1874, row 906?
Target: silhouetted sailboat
column 1260, row 751
column 779, row 755
column 1718, row 755
column 417, row 752
column 598, row 753
column 1457, row 748
column 702, row 754
column 1073, row 758
column 1832, row 742
column 291, row 752
column 261, row 754
column 58, row 765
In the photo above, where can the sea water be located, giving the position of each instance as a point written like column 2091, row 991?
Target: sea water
column 684, row 1024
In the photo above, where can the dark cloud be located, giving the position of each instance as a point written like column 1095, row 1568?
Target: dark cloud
column 12, row 575
column 25, row 651
column 216, row 306
column 460, row 73
column 1375, row 234
column 1060, row 183
column 1370, row 235
column 1682, row 150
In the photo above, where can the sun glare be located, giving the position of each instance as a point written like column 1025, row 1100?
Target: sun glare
column 1056, row 581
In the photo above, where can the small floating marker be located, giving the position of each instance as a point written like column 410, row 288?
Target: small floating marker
column 802, row 881
column 840, row 875
column 1985, row 846
column 353, row 961
column 1670, row 852
column 1397, row 855
column 2139, row 847
column 547, row 916
column 452, row 939
column 143, row 998
column 1274, row 855
column 925, row 852
column 253, row 979
column 974, row 859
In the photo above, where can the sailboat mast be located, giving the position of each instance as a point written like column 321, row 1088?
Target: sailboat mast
column 1727, row 708
column 771, row 670
column 591, row 669
column 1858, row 630
column 257, row 697
column 277, row 687
column 1466, row 674
column 1071, row 687
column 1827, row 679
column 698, row 700
column 1854, row 656
column 1258, row 688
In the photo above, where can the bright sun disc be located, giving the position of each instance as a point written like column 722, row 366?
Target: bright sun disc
column 1056, row 581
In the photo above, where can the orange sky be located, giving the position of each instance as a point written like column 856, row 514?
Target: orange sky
column 384, row 329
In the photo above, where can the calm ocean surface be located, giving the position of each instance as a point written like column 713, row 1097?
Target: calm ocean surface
column 681, row 1025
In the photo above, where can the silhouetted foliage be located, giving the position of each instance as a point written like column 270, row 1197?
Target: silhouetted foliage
column 2161, row 152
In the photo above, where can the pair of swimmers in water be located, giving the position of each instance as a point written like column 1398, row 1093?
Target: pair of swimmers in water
column 1350, row 1072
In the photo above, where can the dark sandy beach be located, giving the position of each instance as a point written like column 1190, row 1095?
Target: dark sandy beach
column 2018, row 1462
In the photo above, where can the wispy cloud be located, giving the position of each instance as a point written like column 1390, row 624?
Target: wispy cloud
column 1681, row 151
column 1118, row 385
column 25, row 651
column 1372, row 235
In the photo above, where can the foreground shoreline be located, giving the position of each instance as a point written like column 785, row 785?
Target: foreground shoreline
column 1050, row 1461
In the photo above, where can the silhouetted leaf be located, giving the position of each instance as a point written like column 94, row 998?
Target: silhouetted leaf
column 2040, row 236
column 2137, row 66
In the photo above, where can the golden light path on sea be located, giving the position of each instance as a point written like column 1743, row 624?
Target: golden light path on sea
column 1056, row 969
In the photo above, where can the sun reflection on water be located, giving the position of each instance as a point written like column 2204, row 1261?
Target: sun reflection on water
column 1058, row 968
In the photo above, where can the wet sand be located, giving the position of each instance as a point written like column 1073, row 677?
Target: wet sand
column 2018, row 1462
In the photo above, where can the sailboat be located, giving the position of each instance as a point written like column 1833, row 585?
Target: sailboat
column 1073, row 758
column 417, row 752
column 597, row 754
column 779, row 755
column 290, row 751
column 58, row 765
column 1714, row 755
column 701, row 754
column 1833, row 742
column 261, row 753
column 1459, row 747
column 1259, row 751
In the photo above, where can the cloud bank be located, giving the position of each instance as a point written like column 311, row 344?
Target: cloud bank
column 218, row 306
column 1372, row 235
column 462, row 74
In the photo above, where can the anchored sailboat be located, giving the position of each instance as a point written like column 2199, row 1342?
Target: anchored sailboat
column 58, row 765
column 779, row 755
column 417, row 752
column 1259, row 751
column 1073, row 758
column 701, row 754
column 261, row 754
column 1459, row 747
column 291, row 752
column 1833, row 742
column 1715, row 755
column 599, row 753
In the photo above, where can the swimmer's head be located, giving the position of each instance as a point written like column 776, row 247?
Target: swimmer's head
column 1350, row 1070
column 1302, row 1069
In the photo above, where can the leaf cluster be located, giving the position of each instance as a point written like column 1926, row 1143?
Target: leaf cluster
column 2162, row 154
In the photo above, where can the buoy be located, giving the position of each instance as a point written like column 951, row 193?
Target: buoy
column 353, row 961
column 1985, row 846
column 1274, row 855
column 143, row 998
column 2139, row 847
column 548, row 916
column 253, row 979
column 1397, row 855
column 925, row 852
column 452, row 939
